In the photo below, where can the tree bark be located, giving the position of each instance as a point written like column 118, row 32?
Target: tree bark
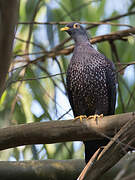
column 120, row 144
column 62, row 131
column 118, row 35
column 41, row 170
column 8, row 21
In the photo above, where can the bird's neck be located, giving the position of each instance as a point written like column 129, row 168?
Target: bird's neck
column 81, row 39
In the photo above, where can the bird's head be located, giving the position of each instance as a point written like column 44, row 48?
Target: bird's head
column 76, row 31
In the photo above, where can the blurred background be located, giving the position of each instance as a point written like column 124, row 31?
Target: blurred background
column 36, row 85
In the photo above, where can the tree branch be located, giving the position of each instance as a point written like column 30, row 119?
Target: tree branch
column 80, row 22
column 46, row 169
column 112, row 36
column 62, row 131
column 8, row 20
column 116, row 149
column 59, row 50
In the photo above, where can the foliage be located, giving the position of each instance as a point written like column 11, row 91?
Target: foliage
column 29, row 98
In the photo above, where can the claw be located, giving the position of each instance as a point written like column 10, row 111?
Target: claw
column 81, row 117
column 95, row 116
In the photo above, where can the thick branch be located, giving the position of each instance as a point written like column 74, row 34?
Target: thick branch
column 8, row 20
column 112, row 36
column 37, row 170
column 116, row 149
column 58, row 50
column 61, row 131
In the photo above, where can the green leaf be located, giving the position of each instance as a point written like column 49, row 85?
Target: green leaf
column 14, row 76
column 26, row 100
column 49, row 28
column 38, row 92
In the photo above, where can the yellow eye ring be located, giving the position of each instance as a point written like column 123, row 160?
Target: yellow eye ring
column 76, row 26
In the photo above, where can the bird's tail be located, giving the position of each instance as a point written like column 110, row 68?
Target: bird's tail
column 92, row 146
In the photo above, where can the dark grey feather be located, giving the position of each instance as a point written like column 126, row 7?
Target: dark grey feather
column 91, row 83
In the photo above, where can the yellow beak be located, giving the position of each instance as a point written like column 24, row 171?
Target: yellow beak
column 64, row 29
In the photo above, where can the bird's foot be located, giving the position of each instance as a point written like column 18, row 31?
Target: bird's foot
column 81, row 117
column 96, row 116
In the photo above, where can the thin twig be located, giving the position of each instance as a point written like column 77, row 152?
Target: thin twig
column 114, row 18
column 114, row 51
column 131, row 98
column 29, row 42
column 67, row 112
column 112, row 36
column 55, row 84
column 89, row 164
column 125, row 66
column 31, row 25
column 63, row 81
column 126, row 86
column 81, row 22
column 94, row 25
column 37, row 78
column 121, row 99
column 28, row 54
column 65, row 9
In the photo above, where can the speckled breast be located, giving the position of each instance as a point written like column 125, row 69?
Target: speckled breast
column 86, row 82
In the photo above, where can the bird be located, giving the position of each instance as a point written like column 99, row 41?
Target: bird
column 90, row 81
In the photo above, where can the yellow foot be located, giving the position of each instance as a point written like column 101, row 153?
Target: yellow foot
column 95, row 116
column 81, row 117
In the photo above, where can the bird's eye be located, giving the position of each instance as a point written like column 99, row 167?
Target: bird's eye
column 76, row 26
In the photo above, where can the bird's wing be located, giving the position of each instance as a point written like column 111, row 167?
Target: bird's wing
column 70, row 98
column 69, row 92
column 111, row 83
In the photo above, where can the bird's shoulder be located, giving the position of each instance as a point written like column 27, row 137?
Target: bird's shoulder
column 84, row 49
column 86, row 55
